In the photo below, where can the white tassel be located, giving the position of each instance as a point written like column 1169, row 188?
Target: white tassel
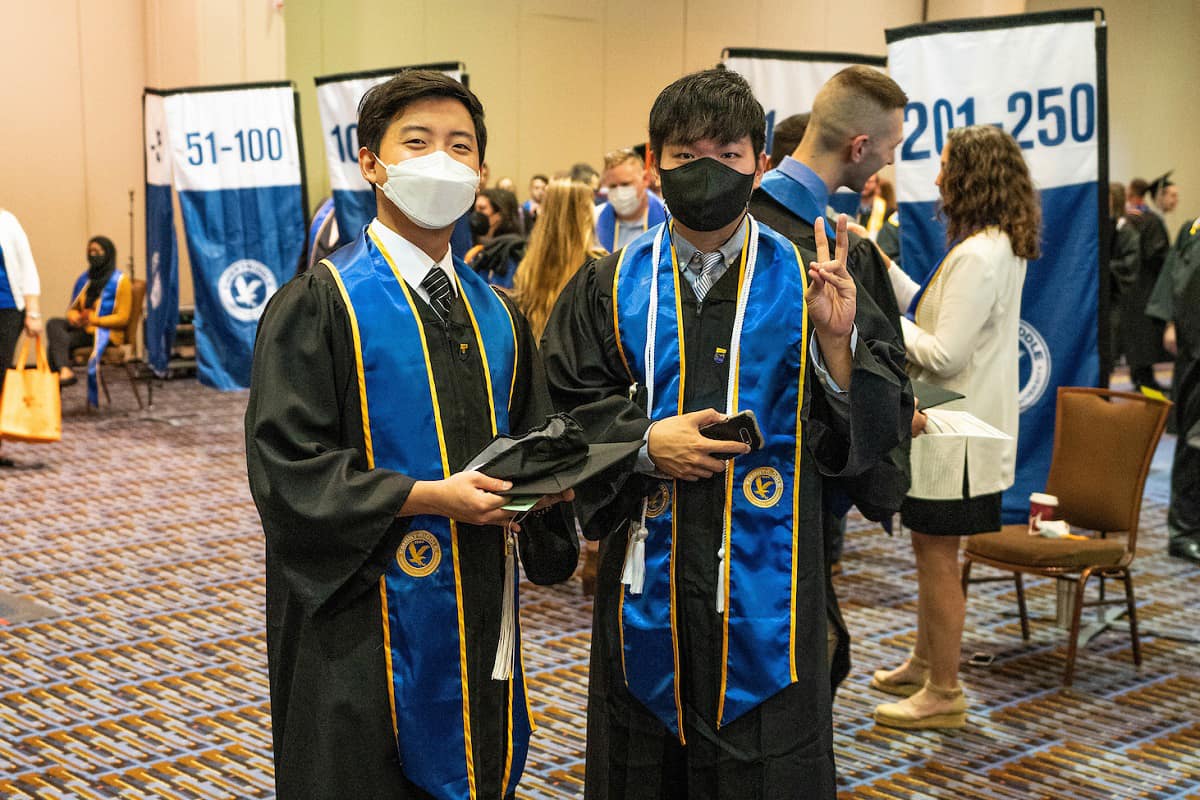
column 721, row 581
column 502, row 669
column 633, row 573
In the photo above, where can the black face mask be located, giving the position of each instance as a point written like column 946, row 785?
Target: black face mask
column 706, row 195
column 97, row 261
column 479, row 224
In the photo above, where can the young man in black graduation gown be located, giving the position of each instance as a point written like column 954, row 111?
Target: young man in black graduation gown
column 703, row 702
column 377, row 375
column 1176, row 302
column 1141, row 335
column 853, row 131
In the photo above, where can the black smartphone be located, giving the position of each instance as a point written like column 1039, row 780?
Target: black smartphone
column 741, row 427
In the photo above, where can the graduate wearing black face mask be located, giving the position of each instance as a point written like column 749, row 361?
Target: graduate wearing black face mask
column 708, row 674
column 102, row 298
column 706, row 195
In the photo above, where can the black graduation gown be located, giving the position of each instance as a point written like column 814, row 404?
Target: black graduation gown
column 881, row 489
column 330, row 530
column 1140, row 334
column 1124, row 263
column 889, row 237
column 1176, row 298
column 783, row 748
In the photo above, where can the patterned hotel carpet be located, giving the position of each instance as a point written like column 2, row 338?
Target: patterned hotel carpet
column 149, row 677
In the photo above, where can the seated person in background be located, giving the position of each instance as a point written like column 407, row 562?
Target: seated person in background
column 501, row 247
column 102, row 298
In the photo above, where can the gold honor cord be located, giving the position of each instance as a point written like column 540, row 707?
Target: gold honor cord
column 798, row 470
column 726, row 553
column 437, row 417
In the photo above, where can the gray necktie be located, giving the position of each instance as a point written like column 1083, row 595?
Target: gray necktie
column 707, row 268
column 437, row 285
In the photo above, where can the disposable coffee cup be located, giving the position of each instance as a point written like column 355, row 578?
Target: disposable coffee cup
column 1041, row 507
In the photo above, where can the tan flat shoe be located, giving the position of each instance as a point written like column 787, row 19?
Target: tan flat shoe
column 903, row 681
column 932, row 707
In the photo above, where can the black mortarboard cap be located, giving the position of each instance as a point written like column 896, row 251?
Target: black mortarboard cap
column 929, row 395
column 1161, row 182
column 549, row 459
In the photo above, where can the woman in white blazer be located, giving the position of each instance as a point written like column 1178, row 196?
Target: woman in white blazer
column 963, row 337
column 20, row 289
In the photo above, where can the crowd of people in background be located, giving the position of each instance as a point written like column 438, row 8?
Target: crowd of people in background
column 561, row 259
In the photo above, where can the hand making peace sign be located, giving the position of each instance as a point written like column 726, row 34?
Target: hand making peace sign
column 831, row 294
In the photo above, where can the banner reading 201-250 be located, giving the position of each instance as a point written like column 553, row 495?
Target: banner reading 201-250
column 237, row 167
column 1041, row 78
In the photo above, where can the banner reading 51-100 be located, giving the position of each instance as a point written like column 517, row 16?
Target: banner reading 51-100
column 237, row 167
column 1041, row 78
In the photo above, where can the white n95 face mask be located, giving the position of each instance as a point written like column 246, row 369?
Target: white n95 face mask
column 624, row 199
column 433, row 191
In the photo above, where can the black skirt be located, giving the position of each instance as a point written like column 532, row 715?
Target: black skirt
column 964, row 517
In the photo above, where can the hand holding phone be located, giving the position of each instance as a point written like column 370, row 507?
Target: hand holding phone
column 741, row 427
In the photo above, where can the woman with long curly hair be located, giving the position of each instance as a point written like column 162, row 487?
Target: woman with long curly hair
column 563, row 240
column 964, row 338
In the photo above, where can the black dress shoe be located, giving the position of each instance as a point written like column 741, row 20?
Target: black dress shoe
column 1185, row 548
column 65, row 382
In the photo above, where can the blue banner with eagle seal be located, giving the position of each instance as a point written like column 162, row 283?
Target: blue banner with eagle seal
column 237, row 166
column 1041, row 77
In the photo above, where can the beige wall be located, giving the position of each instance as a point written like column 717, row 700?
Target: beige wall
column 1153, row 83
column 561, row 80
column 71, row 140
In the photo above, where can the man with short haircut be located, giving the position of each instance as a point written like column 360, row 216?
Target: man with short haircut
column 852, row 133
column 378, row 374
column 631, row 209
column 708, row 673
column 533, row 206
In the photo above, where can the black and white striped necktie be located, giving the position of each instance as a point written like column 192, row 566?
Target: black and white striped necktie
column 437, row 285
column 708, row 268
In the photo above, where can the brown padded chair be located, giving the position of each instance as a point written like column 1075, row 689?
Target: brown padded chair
column 1104, row 442
column 122, row 355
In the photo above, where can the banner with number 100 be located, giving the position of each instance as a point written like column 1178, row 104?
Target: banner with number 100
column 236, row 160
column 338, row 97
column 1039, row 77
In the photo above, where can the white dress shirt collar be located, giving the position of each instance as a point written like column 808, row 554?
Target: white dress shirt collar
column 411, row 261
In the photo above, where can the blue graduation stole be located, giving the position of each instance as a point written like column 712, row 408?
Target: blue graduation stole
column 792, row 195
column 757, row 583
column 105, row 305
column 608, row 226
column 421, row 591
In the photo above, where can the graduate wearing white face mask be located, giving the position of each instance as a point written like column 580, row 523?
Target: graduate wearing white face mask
column 377, row 374
column 632, row 209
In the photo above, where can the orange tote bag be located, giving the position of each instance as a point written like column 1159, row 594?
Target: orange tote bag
column 31, row 406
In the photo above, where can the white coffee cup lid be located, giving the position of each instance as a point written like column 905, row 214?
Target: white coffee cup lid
column 1043, row 499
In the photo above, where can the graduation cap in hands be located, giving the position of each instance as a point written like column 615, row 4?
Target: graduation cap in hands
column 549, row 459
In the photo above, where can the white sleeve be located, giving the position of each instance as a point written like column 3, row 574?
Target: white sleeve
column 30, row 283
column 904, row 287
column 965, row 306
